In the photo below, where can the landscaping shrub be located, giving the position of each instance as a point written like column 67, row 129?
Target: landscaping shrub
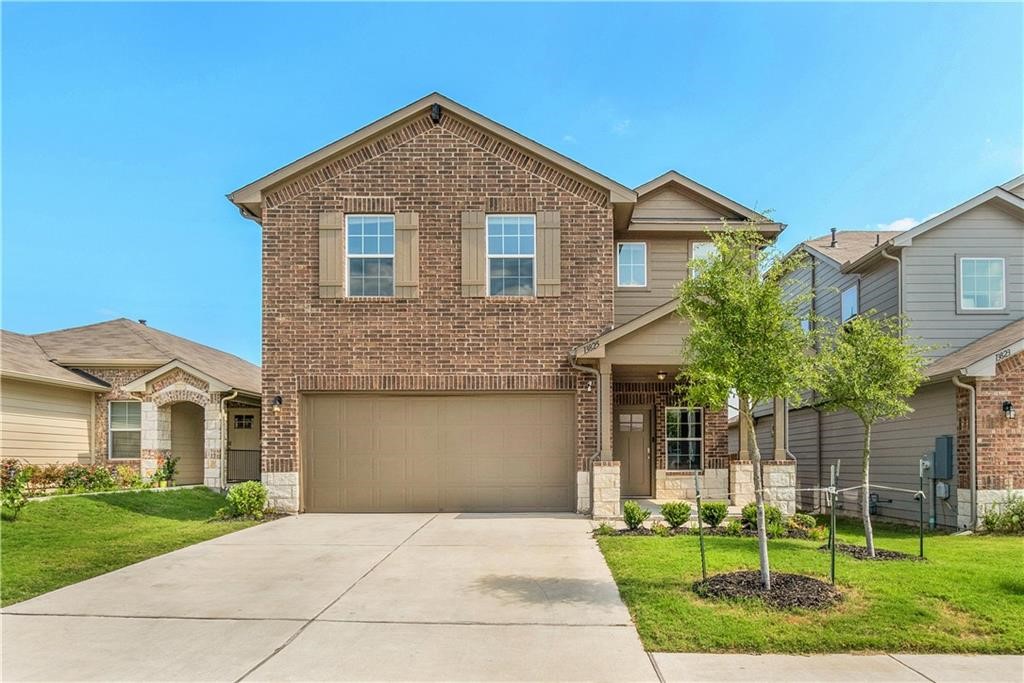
column 802, row 521
column 676, row 513
column 734, row 528
column 13, row 492
column 127, row 477
column 775, row 529
column 1006, row 517
column 713, row 514
column 248, row 499
column 634, row 515
column 56, row 479
column 659, row 529
column 604, row 529
column 771, row 514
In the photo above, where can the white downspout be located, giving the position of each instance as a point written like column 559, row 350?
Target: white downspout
column 972, row 444
column 899, row 279
column 224, row 439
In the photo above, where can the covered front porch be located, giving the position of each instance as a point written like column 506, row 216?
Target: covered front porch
column 654, row 443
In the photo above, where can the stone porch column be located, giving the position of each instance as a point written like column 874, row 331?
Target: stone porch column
column 607, row 409
column 155, row 436
column 214, row 425
column 607, row 490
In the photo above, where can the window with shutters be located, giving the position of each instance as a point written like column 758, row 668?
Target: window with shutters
column 511, row 253
column 124, row 421
column 370, row 255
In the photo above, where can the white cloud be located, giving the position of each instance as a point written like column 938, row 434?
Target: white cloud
column 902, row 223
column 571, row 139
column 621, row 127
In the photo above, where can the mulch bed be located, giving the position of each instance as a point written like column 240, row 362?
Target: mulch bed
column 860, row 552
column 789, row 591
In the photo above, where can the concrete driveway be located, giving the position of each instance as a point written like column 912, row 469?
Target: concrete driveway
column 344, row 597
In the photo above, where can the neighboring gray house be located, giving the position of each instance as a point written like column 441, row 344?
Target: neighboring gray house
column 959, row 278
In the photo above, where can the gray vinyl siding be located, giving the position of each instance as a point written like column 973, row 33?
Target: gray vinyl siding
column 896, row 448
column 879, row 289
column 803, row 444
column 930, row 277
column 667, row 259
column 764, row 429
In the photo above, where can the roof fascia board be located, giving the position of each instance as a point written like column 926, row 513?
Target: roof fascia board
column 140, row 383
column 905, row 239
column 986, row 367
column 72, row 361
column 1012, row 185
column 674, row 225
column 252, row 194
column 84, row 385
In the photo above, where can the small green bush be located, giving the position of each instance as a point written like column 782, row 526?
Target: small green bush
column 818, row 533
column 248, row 499
column 604, row 529
column 713, row 514
column 634, row 515
column 1006, row 517
column 659, row 529
column 13, row 495
column 676, row 513
column 734, row 528
column 772, row 515
column 127, row 476
column 775, row 529
column 803, row 521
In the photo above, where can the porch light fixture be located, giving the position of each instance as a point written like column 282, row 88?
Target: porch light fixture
column 276, row 403
column 1008, row 410
column 661, row 375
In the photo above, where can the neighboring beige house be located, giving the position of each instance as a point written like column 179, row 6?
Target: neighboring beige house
column 458, row 318
column 121, row 392
column 959, row 279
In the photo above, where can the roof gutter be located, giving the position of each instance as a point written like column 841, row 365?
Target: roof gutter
column 972, row 447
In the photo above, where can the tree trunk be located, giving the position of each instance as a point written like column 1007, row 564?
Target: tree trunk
column 866, row 490
column 762, row 533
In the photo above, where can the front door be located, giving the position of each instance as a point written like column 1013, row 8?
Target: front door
column 244, row 429
column 632, row 447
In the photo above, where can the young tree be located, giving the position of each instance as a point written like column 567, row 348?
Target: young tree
column 745, row 335
column 868, row 367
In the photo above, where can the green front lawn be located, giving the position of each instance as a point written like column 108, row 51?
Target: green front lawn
column 61, row 541
column 967, row 597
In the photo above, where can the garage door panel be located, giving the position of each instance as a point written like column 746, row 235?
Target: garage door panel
column 480, row 452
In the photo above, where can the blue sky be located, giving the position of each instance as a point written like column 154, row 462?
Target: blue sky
column 125, row 125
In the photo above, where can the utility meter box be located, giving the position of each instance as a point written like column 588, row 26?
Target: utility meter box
column 942, row 490
column 943, row 466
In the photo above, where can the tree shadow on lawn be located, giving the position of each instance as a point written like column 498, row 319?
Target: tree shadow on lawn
column 187, row 505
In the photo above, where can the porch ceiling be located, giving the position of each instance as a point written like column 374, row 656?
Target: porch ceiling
column 645, row 373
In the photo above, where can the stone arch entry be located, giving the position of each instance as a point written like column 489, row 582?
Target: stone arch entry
column 187, row 432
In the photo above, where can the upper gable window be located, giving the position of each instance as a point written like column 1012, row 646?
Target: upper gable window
column 982, row 284
column 632, row 264
column 370, row 250
column 511, row 251
column 850, row 303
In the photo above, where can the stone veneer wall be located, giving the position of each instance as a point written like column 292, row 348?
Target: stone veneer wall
column 779, row 484
column 681, row 485
column 606, row 476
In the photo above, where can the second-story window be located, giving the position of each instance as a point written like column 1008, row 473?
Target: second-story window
column 849, row 303
column 982, row 284
column 370, row 250
column 632, row 264
column 701, row 250
column 511, row 251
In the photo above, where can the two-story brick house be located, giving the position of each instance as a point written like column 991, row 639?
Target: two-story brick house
column 458, row 318
column 959, row 280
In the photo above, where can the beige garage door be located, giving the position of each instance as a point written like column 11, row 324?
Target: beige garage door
column 467, row 452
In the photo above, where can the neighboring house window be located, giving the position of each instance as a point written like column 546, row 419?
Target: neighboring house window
column 125, row 425
column 849, row 302
column 370, row 247
column 243, row 421
column 805, row 325
column 982, row 284
column 632, row 264
column 511, row 252
column 683, row 438
column 701, row 250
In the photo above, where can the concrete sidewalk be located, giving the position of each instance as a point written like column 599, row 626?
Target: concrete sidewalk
column 726, row 668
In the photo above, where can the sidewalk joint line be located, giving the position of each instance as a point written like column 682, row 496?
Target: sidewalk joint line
column 302, row 628
column 147, row 616
column 897, row 659
column 657, row 669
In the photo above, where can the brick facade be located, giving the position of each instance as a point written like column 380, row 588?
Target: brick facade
column 1000, row 444
column 440, row 340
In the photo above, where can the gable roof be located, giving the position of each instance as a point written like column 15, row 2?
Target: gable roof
column 850, row 246
column 22, row 358
column 999, row 196
column 595, row 348
column 706, row 193
column 249, row 198
column 979, row 358
column 127, row 343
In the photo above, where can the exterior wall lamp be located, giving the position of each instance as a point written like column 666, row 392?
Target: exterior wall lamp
column 276, row 403
column 661, row 375
column 1008, row 410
